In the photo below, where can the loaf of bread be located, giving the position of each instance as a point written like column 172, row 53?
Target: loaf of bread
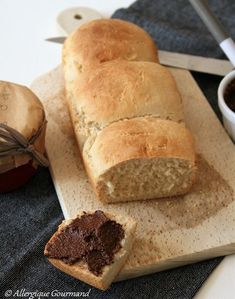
column 80, row 268
column 127, row 115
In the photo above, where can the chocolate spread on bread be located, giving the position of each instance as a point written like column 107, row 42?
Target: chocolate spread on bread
column 93, row 238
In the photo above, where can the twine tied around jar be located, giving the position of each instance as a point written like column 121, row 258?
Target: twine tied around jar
column 13, row 143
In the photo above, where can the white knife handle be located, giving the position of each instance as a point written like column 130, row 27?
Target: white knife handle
column 228, row 46
column 215, row 27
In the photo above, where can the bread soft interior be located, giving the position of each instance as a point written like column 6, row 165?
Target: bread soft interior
column 146, row 178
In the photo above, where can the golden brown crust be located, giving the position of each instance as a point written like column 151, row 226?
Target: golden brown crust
column 143, row 137
column 117, row 39
column 123, row 89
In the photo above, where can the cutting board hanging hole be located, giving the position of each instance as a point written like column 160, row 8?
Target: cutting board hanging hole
column 70, row 19
column 78, row 17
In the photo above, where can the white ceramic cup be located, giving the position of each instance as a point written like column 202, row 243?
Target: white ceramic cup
column 227, row 113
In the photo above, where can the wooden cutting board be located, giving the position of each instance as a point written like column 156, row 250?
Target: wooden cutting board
column 171, row 232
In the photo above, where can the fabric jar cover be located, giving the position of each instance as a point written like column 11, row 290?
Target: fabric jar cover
column 22, row 134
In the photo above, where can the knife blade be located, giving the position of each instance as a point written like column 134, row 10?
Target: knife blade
column 57, row 40
column 184, row 61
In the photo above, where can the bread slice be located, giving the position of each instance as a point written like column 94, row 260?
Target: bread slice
column 140, row 158
column 80, row 269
